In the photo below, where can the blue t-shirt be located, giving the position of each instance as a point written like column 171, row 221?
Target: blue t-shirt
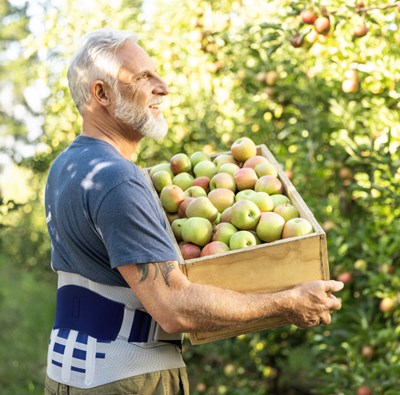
column 101, row 213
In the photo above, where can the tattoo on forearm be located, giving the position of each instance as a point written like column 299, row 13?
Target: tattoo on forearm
column 165, row 268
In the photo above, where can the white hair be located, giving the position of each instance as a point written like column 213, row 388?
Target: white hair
column 96, row 60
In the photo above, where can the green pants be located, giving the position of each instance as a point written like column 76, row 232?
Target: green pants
column 165, row 382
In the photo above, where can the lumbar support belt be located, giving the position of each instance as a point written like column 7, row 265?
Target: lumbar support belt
column 101, row 333
column 86, row 311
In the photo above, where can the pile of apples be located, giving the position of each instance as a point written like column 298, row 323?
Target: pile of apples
column 230, row 202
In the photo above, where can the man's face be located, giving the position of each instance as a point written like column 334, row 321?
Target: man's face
column 140, row 92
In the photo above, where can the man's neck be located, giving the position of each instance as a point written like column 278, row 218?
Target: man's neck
column 124, row 141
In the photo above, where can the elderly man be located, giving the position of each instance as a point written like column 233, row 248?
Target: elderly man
column 122, row 301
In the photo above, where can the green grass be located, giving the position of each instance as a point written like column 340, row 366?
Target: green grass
column 26, row 316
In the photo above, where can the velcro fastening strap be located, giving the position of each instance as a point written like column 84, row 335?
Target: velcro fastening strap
column 86, row 311
column 140, row 327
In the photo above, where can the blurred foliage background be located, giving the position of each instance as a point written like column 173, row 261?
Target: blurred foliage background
column 327, row 106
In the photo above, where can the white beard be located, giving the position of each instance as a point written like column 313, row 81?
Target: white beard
column 140, row 119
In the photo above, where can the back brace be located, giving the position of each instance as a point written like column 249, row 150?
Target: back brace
column 102, row 334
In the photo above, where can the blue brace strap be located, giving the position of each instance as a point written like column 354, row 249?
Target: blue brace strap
column 86, row 311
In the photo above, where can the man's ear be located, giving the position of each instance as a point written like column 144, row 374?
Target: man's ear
column 101, row 92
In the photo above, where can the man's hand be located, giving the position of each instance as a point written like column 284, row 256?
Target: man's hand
column 311, row 303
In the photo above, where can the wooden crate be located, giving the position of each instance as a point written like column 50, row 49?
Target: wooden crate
column 267, row 267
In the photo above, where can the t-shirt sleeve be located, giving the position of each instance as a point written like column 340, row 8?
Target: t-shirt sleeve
column 132, row 226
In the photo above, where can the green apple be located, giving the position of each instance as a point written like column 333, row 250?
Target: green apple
column 205, row 168
column 223, row 180
column 197, row 157
column 221, row 198
column 287, row 211
column 254, row 161
column 160, row 179
column 223, row 158
column 223, row 232
column 161, row 166
column 171, row 197
column 269, row 184
column 245, row 214
column 176, row 227
column 202, row 207
column 183, row 180
column 245, row 178
column 189, row 250
column 270, row 227
column 195, row 191
column 197, row 230
column 246, row 194
column 242, row 239
column 213, row 248
column 266, row 169
column 243, row 149
column 297, row 227
column 263, row 201
column 180, row 163
column 278, row 199
column 229, row 168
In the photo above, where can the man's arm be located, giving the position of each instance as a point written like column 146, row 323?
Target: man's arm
column 179, row 305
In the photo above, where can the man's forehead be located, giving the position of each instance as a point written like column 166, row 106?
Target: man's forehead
column 134, row 59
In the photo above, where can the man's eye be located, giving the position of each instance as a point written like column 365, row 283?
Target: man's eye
column 143, row 76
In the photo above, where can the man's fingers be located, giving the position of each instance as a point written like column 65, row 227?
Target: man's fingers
column 333, row 286
column 326, row 319
column 335, row 303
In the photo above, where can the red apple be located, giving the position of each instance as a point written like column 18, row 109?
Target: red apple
column 360, row 30
column 213, row 248
column 180, row 163
column 189, row 250
column 245, row 178
column 171, row 197
column 296, row 227
column 364, row 390
column 243, row 149
column 221, row 198
column 226, row 215
column 254, row 161
column 345, row 277
column 269, row 184
column 245, row 214
column 322, row 25
column 270, row 227
column 202, row 181
column 183, row 206
column 386, row 304
column 308, row 16
column 350, row 86
column 223, row 180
